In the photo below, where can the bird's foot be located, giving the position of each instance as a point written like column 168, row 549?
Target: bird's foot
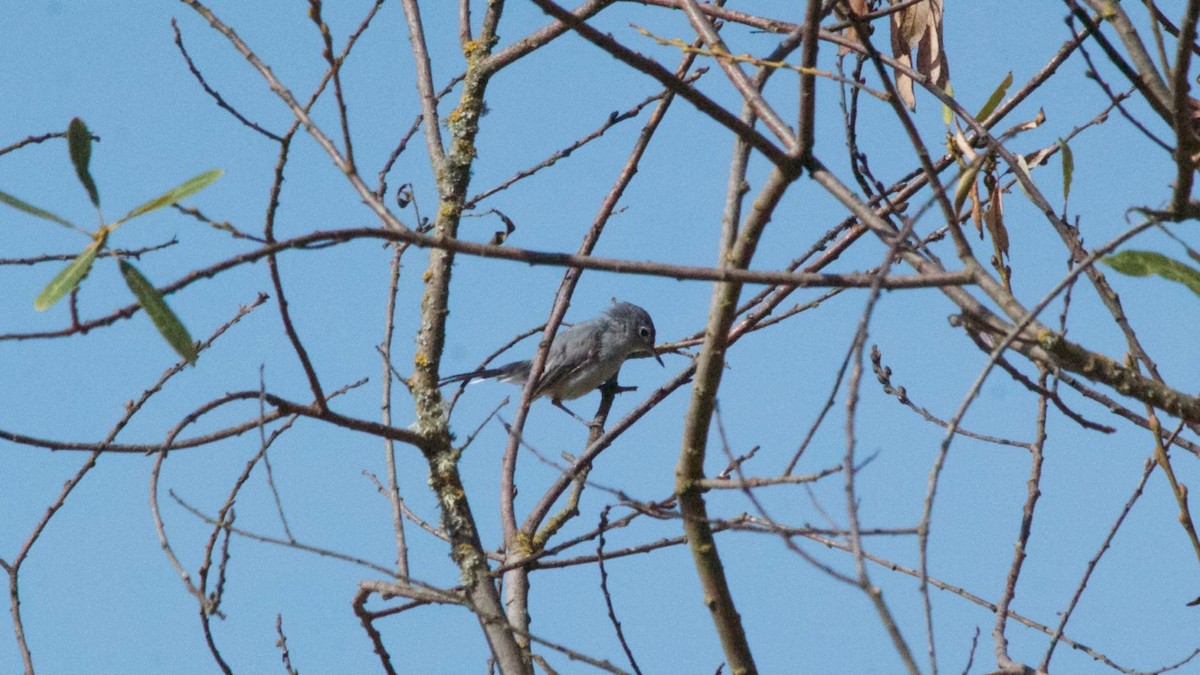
column 559, row 404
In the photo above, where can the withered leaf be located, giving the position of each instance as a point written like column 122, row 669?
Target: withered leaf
column 855, row 8
column 919, row 26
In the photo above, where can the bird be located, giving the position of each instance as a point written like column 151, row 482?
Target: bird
column 582, row 357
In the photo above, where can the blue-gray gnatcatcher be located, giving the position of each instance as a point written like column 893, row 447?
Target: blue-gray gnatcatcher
column 582, row 357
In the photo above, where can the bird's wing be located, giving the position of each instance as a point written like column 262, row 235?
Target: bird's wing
column 571, row 350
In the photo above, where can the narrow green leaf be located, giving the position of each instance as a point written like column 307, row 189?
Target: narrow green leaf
column 65, row 281
column 1023, row 169
column 996, row 97
column 35, row 211
column 156, row 308
column 947, row 113
column 1068, row 168
column 183, row 191
column 79, row 142
column 1132, row 263
column 966, row 181
column 1143, row 263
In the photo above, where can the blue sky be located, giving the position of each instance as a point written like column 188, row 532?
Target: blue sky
column 99, row 596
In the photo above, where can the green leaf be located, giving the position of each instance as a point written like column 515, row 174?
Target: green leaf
column 183, row 191
column 1022, row 168
column 996, row 97
column 947, row 113
column 156, row 308
column 68, row 279
column 966, row 181
column 79, row 142
column 1068, row 168
column 1143, row 263
column 35, row 211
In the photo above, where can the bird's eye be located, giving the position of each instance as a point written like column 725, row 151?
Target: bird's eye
column 644, row 332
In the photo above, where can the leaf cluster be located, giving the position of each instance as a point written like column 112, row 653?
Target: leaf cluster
column 79, row 146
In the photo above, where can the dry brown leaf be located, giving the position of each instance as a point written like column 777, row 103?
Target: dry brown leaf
column 856, row 8
column 995, row 220
column 931, row 57
column 1037, row 121
column 976, row 208
column 919, row 26
column 902, row 52
column 909, row 24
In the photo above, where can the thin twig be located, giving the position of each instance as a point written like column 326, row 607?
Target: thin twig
column 612, row 612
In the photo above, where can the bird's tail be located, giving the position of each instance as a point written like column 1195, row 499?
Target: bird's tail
column 513, row 372
column 473, row 376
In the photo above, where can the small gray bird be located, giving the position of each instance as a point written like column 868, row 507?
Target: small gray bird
column 582, row 357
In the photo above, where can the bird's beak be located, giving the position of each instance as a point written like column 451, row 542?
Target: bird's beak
column 658, row 358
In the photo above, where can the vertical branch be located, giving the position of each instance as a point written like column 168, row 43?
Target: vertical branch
column 612, row 612
column 690, row 469
column 433, row 131
column 850, row 474
column 284, row 654
column 453, row 173
column 521, row 543
column 808, row 79
column 281, row 301
column 464, row 22
column 335, row 69
column 1184, row 110
column 1003, row 660
column 264, row 443
column 854, row 536
column 850, row 470
column 389, row 449
column 734, row 251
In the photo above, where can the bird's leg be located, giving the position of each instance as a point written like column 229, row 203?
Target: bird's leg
column 559, row 404
column 611, row 385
